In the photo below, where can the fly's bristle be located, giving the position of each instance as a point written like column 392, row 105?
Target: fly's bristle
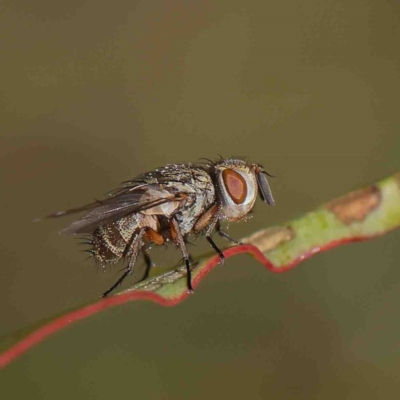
column 206, row 161
column 90, row 251
column 242, row 158
column 247, row 218
column 86, row 242
column 91, row 254
column 189, row 243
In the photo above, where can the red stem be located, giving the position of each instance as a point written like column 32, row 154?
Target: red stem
column 46, row 330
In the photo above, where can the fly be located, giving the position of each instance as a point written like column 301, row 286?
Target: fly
column 167, row 205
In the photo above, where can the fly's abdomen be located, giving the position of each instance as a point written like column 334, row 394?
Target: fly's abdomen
column 108, row 244
column 111, row 242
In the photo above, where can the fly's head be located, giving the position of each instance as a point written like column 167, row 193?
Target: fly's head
column 238, row 185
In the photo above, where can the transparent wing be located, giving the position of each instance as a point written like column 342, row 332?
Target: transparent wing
column 111, row 209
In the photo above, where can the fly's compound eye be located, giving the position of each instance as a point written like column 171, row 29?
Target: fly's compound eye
column 235, row 185
column 237, row 189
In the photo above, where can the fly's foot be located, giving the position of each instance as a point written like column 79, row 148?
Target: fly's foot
column 215, row 247
column 190, row 290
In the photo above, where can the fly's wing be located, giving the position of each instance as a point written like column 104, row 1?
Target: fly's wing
column 112, row 209
column 63, row 213
column 124, row 201
column 107, row 213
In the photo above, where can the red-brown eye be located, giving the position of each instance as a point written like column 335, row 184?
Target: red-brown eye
column 235, row 185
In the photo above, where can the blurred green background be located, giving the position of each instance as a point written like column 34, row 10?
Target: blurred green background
column 94, row 92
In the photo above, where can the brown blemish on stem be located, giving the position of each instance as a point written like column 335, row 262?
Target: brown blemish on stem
column 268, row 239
column 356, row 206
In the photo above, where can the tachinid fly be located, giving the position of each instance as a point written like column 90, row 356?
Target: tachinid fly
column 169, row 204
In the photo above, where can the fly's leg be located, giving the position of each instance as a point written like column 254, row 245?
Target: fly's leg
column 151, row 236
column 215, row 223
column 133, row 249
column 208, row 222
column 216, row 248
column 127, row 272
column 149, row 263
column 179, row 240
column 225, row 235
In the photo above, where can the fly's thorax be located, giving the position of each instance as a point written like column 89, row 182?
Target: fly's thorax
column 201, row 195
column 191, row 188
column 237, row 189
